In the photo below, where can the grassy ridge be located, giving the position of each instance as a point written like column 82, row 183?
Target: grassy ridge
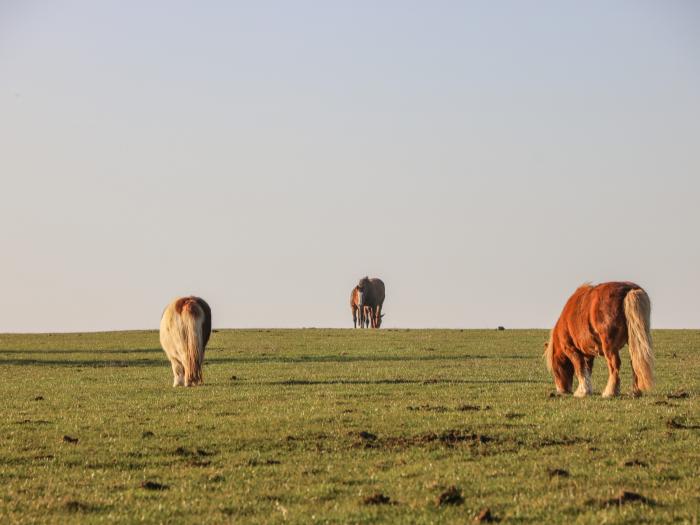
column 305, row 425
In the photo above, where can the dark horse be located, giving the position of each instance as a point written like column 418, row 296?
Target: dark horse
column 371, row 292
column 598, row 321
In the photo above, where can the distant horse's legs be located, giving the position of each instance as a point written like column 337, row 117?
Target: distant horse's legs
column 354, row 317
column 583, row 373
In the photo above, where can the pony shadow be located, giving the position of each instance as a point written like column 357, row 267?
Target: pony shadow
column 82, row 363
column 92, row 352
column 305, row 382
column 356, row 359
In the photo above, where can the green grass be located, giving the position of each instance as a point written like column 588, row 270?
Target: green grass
column 276, row 433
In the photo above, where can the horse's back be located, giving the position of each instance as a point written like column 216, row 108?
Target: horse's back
column 379, row 290
column 596, row 313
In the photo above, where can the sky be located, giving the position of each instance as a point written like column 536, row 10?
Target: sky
column 483, row 158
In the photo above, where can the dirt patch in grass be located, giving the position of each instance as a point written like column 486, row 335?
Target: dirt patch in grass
column 428, row 408
column 185, row 452
column 257, row 462
column 448, row 438
column 147, row 434
column 367, row 435
column 153, row 485
column 679, row 394
column 679, row 423
column 562, row 442
column 469, row 408
column 73, row 505
column 377, row 499
column 441, row 408
column 635, row 463
column 452, row 437
column 69, row 439
column 198, row 463
column 557, row 473
column 485, row 516
column 624, row 497
column 452, row 496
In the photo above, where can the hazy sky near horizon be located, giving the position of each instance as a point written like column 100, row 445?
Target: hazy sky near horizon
column 482, row 158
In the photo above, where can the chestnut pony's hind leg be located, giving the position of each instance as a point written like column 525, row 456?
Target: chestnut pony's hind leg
column 612, row 357
column 583, row 373
column 565, row 382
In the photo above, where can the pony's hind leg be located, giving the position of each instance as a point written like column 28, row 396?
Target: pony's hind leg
column 582, row 368
column 636, row 391
column 565, row 378
column 612, row 389
column 178, row 373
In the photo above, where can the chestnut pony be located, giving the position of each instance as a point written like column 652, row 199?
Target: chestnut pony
column 598, row 321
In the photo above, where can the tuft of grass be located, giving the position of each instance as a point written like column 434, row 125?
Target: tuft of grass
column 340, row 426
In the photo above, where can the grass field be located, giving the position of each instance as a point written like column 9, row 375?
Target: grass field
column 340, row 426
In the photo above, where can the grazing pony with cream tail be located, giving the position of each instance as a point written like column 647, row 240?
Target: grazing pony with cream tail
column 598, row 321
column 184, row 332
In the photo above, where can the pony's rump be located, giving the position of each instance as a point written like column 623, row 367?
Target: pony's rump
column 184, row 332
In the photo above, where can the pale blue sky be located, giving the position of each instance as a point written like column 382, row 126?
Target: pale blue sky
column 483, row 158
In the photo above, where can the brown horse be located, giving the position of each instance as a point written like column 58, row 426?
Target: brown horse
column 599, row 320
column 372, row 293
column 184, row 332
column 358, row 314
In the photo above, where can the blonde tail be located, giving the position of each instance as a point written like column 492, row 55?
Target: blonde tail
column 194, row 349
column 638, row 313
